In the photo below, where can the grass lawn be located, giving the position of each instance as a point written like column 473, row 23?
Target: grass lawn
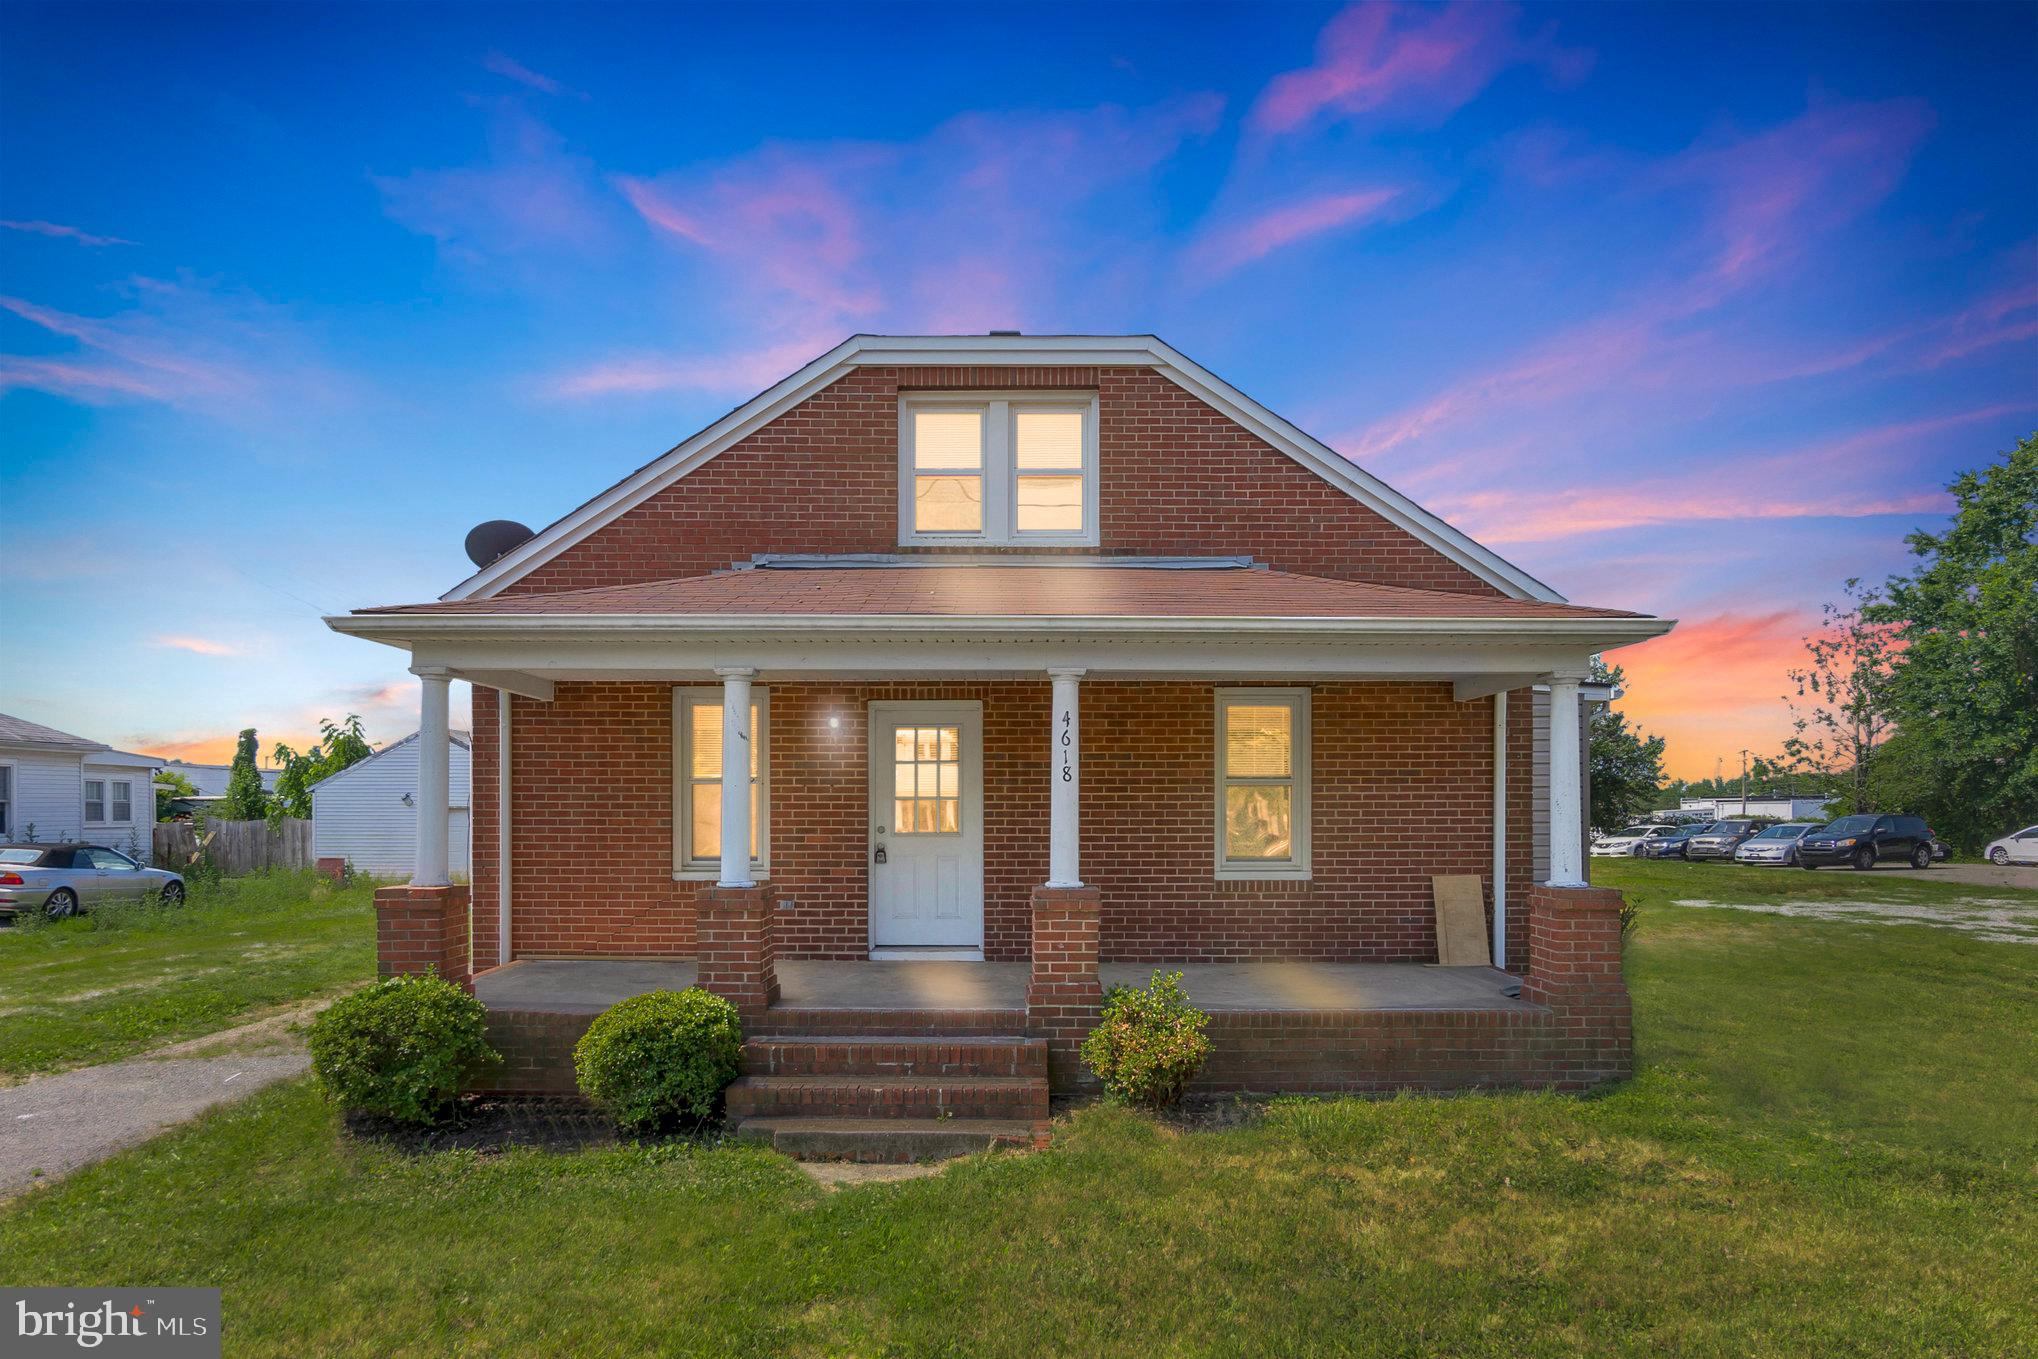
column 125, row 979
column 1832, row 1149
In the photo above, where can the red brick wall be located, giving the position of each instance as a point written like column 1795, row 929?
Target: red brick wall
column 1175, row 476
column 1402, row 779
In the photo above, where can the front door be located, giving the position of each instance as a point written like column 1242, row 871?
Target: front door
column 927, row 825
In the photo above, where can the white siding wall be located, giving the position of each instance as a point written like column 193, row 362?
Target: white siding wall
column 48, row 794
column 135, row 835
column 1539, row 707
column 359, row 813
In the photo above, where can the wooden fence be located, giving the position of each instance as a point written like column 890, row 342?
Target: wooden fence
column 234, row 846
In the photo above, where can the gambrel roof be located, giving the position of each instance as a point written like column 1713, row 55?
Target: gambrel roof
column 1101, row 351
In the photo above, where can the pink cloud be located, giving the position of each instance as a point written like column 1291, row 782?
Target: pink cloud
column 984, row 221
column 1776, row 192
column 747, row 372
column 1770, row 198
column 61, row 231
column 1227, row 248
column 198, row 646
column 1796, row 482
column 531, row 196
column 508, row 67
column 1383, row 56
column 182, row 343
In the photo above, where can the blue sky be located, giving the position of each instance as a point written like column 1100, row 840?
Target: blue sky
column 1688, row 309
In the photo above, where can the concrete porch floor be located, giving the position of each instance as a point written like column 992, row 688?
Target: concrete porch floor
column 590, row 985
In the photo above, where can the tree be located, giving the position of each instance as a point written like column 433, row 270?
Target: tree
column 340, row 744
column 1964, row 684
column 1627, row 767
column 1841, row 708
column 245, row 800
column 171, row 785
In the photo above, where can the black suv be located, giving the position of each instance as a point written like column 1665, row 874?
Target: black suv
column 1863, row 840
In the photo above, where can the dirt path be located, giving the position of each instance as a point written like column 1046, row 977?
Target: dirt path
column 52, row 1125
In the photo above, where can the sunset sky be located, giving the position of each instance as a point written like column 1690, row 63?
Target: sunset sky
column 1686, row 309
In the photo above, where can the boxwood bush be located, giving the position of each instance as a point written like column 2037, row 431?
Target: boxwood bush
column 401, row 1048
column 1150, row 1043
column 659, row 1059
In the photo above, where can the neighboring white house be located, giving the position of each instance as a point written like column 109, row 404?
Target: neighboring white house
column 56, row 786
column 211, row 780
column 367, row 813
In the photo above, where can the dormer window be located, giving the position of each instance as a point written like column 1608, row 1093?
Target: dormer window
column 1002, row 469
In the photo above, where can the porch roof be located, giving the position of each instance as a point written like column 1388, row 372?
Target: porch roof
column 850, row 620
column 823, row 593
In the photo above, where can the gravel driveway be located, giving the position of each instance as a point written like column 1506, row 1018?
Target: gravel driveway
column 52, row 1125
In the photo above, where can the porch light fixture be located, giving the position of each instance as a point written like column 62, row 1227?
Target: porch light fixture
column 409, row 801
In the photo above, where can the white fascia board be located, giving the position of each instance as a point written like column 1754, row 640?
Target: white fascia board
column 1106, row 351
column 403, row 629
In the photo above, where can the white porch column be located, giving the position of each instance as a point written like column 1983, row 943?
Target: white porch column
column 736, row 776
column 1065, row 803
column 1500, row 829
column 1567, row 850
column 434, row 780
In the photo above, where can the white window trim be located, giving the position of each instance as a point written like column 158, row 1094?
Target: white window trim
column 85, row 802
column 12, row 799
column 1000, row 475
column 1296, row 868
column 685, row 867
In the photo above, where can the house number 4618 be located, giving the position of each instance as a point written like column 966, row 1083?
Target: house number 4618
column 1068, row 773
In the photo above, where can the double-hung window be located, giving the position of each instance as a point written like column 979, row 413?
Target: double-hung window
column 6, row 800
column 95, row 802
column 1000, row 469
column 1263, row 783
column 697, row 782
column 123, row 801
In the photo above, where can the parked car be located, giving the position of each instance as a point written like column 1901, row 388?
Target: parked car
column 1673, row 845
column 1628, row 840
column 1866, row 839
column 1776, row 846
column 62, row 880
column 1722, row 838
column 2018, row 847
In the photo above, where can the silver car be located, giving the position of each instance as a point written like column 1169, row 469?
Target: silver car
column 1776, row 846
column 62, row 880
column 2018, row 847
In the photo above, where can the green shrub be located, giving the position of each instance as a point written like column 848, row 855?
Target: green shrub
column 1150, row 1043
column 660, row 1058
column 400, row 1048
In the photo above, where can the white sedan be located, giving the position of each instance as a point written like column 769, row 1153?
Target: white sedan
column 2018, row 847
column 1628, row 840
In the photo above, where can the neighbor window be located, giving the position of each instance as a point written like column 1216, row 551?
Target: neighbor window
column 1263, row 783
column 123, row 800
column 998, row 469
column 95, row 800
column 6, row 799
column 697, row 792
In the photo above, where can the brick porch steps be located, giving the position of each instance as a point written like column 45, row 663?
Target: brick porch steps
column 888, row 1141
column 885, row 1086
column 888, row 1055
column 961, row 1097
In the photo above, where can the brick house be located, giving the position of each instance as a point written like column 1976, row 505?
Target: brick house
column 1055, row 659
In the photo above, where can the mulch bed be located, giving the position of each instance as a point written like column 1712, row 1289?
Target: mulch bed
column 493, row 1123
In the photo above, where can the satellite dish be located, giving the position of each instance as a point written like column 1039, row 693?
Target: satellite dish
column 486, row 542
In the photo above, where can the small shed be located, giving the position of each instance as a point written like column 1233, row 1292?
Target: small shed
column 367, row 813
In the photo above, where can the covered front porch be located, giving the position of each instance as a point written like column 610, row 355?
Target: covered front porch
column 591, row 985
column 927, row 799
